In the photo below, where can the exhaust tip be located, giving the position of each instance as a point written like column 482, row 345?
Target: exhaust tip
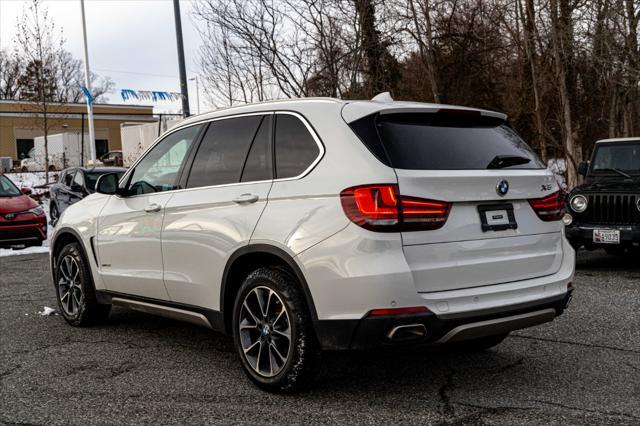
column 407, row 332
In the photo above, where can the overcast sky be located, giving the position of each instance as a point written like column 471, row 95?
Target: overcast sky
column 131, row 41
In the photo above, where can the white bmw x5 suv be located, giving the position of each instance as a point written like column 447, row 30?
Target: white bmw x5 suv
column 318, row 224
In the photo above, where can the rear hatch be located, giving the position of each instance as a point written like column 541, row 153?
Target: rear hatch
column 489, row 176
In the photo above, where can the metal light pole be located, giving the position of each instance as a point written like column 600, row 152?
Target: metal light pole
column 197, row 92
column 183, row 72
column 87, row 83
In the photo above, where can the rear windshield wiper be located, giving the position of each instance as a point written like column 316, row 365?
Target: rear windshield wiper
column 618, row 171
column 502, row 161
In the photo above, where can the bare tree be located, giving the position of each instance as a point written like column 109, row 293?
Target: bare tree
column 566, row 71
column 70, row 79
column 10, row 71
column 40, row 46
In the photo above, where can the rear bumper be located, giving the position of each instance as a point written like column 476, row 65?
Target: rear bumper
column 376, row 332
column 582, row 234
column 356, row 271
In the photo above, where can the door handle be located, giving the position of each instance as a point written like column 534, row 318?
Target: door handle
column 246, row 199
column 153, row 208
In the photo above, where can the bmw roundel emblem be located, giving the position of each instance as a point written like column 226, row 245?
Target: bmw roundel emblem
column 502, row 188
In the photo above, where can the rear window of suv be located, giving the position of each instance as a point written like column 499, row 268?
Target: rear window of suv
column 442, row 141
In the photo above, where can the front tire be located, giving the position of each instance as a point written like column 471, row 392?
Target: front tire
column 74, row 289
column 273, row 332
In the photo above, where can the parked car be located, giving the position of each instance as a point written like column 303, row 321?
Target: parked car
column 23, row 222
column 73, row 185
column 29, row 163
column 605, row 209
column 303, row 225
column 112, row 158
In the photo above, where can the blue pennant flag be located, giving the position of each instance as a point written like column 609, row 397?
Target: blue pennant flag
column 88, row 95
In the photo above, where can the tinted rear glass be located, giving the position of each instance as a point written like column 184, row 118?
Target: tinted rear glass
column 428, row 141
column 223, row 151
column 295, row 148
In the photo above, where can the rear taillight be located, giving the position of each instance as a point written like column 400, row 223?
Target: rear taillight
column 381, row 208
column 550, row 207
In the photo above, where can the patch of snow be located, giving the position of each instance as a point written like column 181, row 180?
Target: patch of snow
column 47, row 311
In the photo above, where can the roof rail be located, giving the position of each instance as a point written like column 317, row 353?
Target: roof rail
column 384, row 97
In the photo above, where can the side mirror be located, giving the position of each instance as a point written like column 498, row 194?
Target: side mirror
column 107, row 184
column 583, row 167
column 26, row 191
column 76, row 188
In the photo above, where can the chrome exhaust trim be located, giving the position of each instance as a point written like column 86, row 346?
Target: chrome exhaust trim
column 407, row 332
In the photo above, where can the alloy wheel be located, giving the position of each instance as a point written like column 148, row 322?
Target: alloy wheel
column 265, row 331
column 69, row 285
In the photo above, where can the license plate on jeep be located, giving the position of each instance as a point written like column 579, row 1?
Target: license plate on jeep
column 606, row 236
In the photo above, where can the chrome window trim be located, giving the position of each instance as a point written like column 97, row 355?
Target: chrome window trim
column 302, row 118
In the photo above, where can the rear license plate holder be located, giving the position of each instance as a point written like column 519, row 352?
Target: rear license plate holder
column 606, row 236
column 497, row 217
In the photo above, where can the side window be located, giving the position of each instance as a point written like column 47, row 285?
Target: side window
column 158, row 170
column 68, row 178
column 223, row 151
column 258, row 165
column 78, row 178
column 295, row 148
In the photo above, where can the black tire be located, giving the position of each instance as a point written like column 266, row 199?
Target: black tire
column 52, row 168
column 303, row 356
column 24, row 169
column 54, row 215
column 480, row 344
column 88, row 311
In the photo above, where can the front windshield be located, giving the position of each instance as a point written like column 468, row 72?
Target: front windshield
column 623, row 157
column 7, row 188
column 92, row 178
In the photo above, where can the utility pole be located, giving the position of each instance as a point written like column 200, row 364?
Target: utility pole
column 183, row 72
column 87, row 91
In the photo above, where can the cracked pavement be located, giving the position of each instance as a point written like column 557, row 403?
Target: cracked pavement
column 581, row 368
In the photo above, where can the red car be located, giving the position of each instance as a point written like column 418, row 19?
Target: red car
column 23, row 222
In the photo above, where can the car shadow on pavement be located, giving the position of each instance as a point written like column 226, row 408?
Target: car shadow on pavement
column 599, row 260
column 431, row 370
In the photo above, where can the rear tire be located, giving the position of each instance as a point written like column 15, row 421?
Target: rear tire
column 269, row 307
column 480, row 344
column 75, row 290
column 53, row 214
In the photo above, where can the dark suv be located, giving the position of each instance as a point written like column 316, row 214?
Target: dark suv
column 606, row 208
column 73, row 185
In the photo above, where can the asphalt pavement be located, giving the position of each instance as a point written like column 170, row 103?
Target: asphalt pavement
column 582, row 368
